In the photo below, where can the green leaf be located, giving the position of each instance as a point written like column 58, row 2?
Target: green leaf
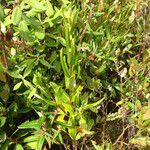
column 35, row 124
column 16, row 15
column 72, row 133
column 36, row 5
column 89, row 106
column 67, row 37
column 40, row 143
column 64, row 64
column 60, row 94
column 61, row 40
column 23, row 26
column 68, row 108
column 39, row 33
column 17, row 86
column 5, row 145
column 64, row 124
column 32, row 93
column 76, row 98
column 29, row 68
column 45, row 63
column 2, row 121
column 27, row 83
column 2, row 14
column 57, row 66
column 5, row 93
column 49, row 11
column 2, row 136
column 18, row 147
column 15, row 74
column 31, row 138
column 24, row 31
column 53, row 57
column 32, row 145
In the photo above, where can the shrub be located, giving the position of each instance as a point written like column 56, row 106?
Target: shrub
column 72, row 69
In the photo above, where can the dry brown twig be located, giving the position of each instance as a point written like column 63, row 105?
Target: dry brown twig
column 120, row 136
column 89, row 18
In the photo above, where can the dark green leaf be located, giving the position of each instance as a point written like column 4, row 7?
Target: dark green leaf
column 45, row 63
column 2, row 136
column 2, row 121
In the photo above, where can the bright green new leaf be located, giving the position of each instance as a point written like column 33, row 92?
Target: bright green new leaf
column 32, row 145
column 72, row 133
column 18, row 147
column 68, row 108
column 39, row 33
column 31, row 138
column 16, row 15
column 2, row 14
column 36, row 5
column 40, row 142
column 49, row 11
column 17, row 86
column 32, row 93
column 23, row 26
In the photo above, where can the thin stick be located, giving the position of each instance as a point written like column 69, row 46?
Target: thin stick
column 4, row 58
column 89, row 18
column 118, row 139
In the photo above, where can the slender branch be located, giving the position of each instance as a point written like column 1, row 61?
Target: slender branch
column 89, row 18
column 118, row 139
column 4, row 55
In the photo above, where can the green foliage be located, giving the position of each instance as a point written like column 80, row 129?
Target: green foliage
column 73, row 68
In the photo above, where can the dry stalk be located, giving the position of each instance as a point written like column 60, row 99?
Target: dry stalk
column 120, row 136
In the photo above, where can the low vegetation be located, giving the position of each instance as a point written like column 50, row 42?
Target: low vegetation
column 74, row 74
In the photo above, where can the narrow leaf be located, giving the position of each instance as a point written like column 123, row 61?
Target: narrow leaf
column 64, row 64
column 88, row 106
column 17, row 86
column 40, row 143
column 2, row 14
